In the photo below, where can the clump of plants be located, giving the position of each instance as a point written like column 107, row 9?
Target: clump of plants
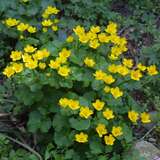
column 78, row 90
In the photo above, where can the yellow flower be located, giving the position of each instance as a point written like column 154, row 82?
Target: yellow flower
column 101, row 129
column 50, row 10
column 16, row 55
column 89, row 62
column 73, row 104
column 109, row 140
column 128, row 62
column 55, row 28
column 22, row 27
column 42, row 65
column 44, row 29
column 61, row 60
column 8, row 71
column 107, row 89
column 26, row 57
column 95, row 29
column 91, row 35
column 98, row 105
column 111, row 28
column 17, row 67
column 64, row 71
column 63, row 102
column 32, row 64
column 54, row 64
column 79, row 30
column 108, row 114
column 116, row 92
column 122, row 70
column 117, row 131
column 45, row 15
column 136, row 75
column 152, row 70
column 83, row 38
column 85, row 112
column 47, row 23
column 40, row 54
column 29, row 49
column 108, row 79
column 141, row 67
column 113, row 57
column 116, row 40
column 116, row 51
column 94, row 43
column 10, row 22
column 45, row 53
column 145, row 117
column 31, row 29
column 103, row 38
column 99, row 75
column 70, row 39
column 112, row 68
column 65, row 53
column 81, row 137
column 133, row 116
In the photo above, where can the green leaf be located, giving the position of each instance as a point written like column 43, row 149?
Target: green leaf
column 59, row 122
column 96, row 146
column 45, row 125
column 79, row 124
column 66, row 83
column 127, row 133
column 69, row 154
column 97, row 85
column 34, row 122
column 24, row 95
column 102, row 158
column 63, row 138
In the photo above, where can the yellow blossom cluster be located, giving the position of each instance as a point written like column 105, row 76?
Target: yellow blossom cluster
column 47, row 22
column 94, row 37
column 108, row 79
column 50, row 10
column 20, row 26
column 134, row 116
column 85, row 112
column 102, row 132
column 63, row 70
column 33, row 58
column 125, row 69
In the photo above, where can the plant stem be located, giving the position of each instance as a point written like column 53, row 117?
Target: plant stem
column 8, row 100
column 25, row 146
column 147, row 133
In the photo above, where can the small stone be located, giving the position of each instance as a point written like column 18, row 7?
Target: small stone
column 147, row 150
column 152, row 140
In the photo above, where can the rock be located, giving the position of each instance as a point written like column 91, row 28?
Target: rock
column 147, row 150
column 152, row 140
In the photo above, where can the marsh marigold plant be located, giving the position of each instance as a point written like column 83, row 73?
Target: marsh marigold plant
column 83, row 82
